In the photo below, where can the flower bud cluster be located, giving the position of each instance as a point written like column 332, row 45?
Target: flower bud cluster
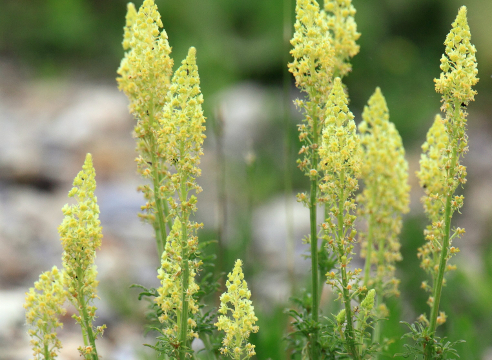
column 459, row 67
column 386, row 193
column 459, row 74
column 340, row 151
column 81, row 234
column 44, row 306
column 340, row 159
column 440, row 169
column 144, row 76
column 340, row 21
column 313, row 51
column 146, row 69
column 242, row 323
column 313, row 70
column 171, row 290
column 181, row 131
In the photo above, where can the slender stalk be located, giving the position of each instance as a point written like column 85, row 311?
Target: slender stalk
column 314, row 242
column 183, row 327
column 46, row 352
column 376, row 335
column 349, row 330
column 442, row 261
column 367, row 265
column 445, row 245
column 322, row 278
column 183, row 330
column 87, row 324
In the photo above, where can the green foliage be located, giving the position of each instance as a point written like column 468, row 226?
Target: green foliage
column 422, row 339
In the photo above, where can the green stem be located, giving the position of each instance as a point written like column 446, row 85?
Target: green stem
column 367, row 265
column 324, row 243
column 444, row 250
column 46, row 352
column 349, row 330
column 314, row 242
column 183, row 328
column 87, row 323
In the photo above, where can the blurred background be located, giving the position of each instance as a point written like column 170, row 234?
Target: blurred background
column 59, row 100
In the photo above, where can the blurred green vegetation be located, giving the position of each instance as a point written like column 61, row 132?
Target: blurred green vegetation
column 401, row 44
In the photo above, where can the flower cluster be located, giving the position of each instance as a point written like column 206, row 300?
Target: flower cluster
column 313, row 51
column 44, row 305
column 340, row 159
column 459, row 67
column 313, row 70
column 80, row 235
column 432, row 175
column 170, row 293
column 440, row 169
column 145, row 71
column 342, row 26
column 386, row 193
column 144, row 76
column 181, row 132
column 340, row 152
column 242, row 324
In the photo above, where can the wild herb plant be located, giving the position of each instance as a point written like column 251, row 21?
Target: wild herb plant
column 170, row 134
column 80, row 235
column 323, row 44
column 44, row 306
column 385, row 198
column 441, row 172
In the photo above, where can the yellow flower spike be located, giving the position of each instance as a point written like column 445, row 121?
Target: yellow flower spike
column 144, row 76
column 313, row 52
column 386, row 193
column 340, row 149
column 146, row 69
column 43, row 309
column 441, row 171
column 170, row 292
column 458, row 65
column 181, row 134
column 238, row 328
column 343, row 28
column 81, row 234
column 368, row 303
column 340, row 158
column 432, row 167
